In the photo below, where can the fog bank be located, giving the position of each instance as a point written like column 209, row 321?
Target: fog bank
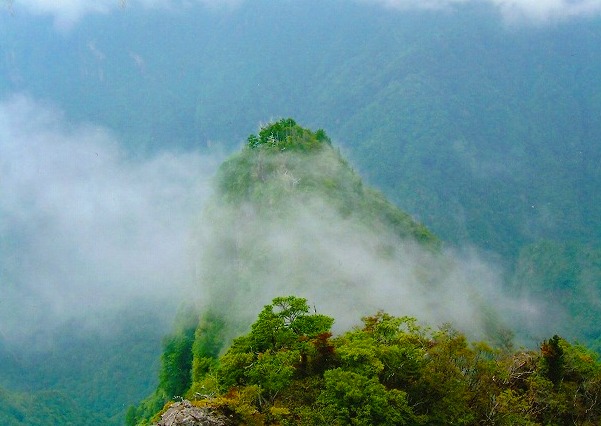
column 289, row 236
column 85, row 228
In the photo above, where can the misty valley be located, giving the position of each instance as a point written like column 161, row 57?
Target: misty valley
column 293, row 212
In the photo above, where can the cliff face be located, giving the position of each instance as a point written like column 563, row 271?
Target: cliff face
column 185, row 414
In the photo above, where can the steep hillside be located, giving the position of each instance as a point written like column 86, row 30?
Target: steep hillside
column 566, row 277
column 289, row 215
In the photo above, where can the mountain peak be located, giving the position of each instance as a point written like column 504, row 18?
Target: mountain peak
column 287, row 168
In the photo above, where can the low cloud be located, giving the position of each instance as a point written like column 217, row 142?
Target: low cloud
column 84, row 228
column 537, row 11
column 345, row 264
column 541, row 11
column 68, row 12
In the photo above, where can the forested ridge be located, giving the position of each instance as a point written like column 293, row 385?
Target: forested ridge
column 289, row 369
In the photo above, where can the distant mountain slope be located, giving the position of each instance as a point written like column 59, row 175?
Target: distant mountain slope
column 566, row 276
column 80, row 374
column 486, row 133
column 45, row 408
column 290, row 216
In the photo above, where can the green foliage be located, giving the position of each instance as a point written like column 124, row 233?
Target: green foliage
column 176, row 367
column 273, row 371
column 208, row 342
column 94, row 373
column 46, row 408
column 285, row 134
column 391, row 370
column 553, row 359
column 280, row 345
column 285, row 324
column 353, row 399
column 566, row 277
column 147, row 409
column 233, row 366
column 175, row 376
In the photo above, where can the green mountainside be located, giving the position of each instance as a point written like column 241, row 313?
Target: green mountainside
column 45, row 408
column 566, row 276
column 80, row 375
column 485, row 133
column 289, row 215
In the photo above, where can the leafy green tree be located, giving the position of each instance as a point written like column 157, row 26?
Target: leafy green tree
column 273, row 371
column 278, row 347
column 175, row 376
column 285, row 323
column 359, row 353
column 354, row 399
column 208, row 342
column 443, row 389
column 552, row 353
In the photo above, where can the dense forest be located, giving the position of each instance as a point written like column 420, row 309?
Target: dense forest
column 483, row 132
column 45, row 386
column 389, row 371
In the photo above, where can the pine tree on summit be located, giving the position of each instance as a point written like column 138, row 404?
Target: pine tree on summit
column 286, row 134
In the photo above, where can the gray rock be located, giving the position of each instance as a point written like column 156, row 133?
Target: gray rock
column 185, row 414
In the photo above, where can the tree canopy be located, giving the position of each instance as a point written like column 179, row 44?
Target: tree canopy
column 289, row 369
column 286, row 134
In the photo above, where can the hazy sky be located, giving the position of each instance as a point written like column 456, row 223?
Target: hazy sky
column 68, row 12
column 83, row 226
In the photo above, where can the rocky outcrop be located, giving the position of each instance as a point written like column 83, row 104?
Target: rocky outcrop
column 185, row 414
